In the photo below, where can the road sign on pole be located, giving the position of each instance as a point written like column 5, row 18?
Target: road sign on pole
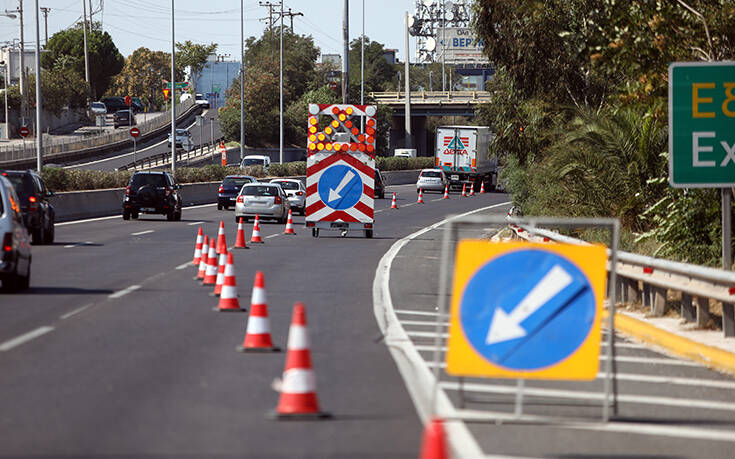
column 24, row 131
column 134, row 132
column 702, row 124
column 522, row 310
column 128, row 101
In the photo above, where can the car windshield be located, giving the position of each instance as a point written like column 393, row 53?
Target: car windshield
column 433, row 174
column 289, row 185
column 238, row 182
column 253, row 162
column 22, row 184
column 182, row 132
column 199, row 97
column 140, row 180
column 259, row 190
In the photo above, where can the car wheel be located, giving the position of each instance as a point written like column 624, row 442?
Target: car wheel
column 226, row 207
column 134, row 215
column 177, row 216
column 48, row 237
column 170, row 216
column 382, row 195
column 37, row 236
column 219, row 206
column 126, row 215
column 23, row 282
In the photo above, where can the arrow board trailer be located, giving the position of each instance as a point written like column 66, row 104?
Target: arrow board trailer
column 340, row 168
column 462, row 153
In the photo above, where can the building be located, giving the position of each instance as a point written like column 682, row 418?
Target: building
column 12, row 57
column 216, row 78
column 332, row 59
column 390, row 56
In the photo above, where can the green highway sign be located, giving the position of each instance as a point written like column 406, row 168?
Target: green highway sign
column 179, row 84
column 702, row 124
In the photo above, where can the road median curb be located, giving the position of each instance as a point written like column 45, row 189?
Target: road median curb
column 709, row 356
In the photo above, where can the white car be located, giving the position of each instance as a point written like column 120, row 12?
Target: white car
column 199, row 99
column 256, row 160
column 296, row 193
column 183, row 137
column 267, row 200
column 431, row 180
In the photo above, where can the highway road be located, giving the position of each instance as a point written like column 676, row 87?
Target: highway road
column 152, row 147
column 116, row 350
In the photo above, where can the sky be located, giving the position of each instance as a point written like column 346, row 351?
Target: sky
column 136, row 23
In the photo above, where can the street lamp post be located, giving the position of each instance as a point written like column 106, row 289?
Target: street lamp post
column 173, row 92
column 242, row 80
column 5, row 66
column 39, row 131
column 280, row 127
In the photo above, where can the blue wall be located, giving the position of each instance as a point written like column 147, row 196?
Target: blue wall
column 217, row 74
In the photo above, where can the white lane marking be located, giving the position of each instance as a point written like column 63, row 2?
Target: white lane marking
column 79, row 244
column 184, row 266
column 416, row 312
column 418, row 378
column 272, row 235
column 18, row 340
column 377, row 211
column 140, row 233
column 195, row 223
column 70, row 246
column 440, row 199
column 124, row 291
column 408, row 205
column 75, row 312
column 111, row 217
column 588, row 395
column 115, row 157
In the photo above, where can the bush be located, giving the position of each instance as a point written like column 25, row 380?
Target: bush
column 392, row 163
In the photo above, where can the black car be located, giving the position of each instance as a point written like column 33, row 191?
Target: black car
column 15, row 251
column 114, row 104
column 122, row 118
column 379, row 190
column 39, row 215
column 230, row 188
column 152, row 192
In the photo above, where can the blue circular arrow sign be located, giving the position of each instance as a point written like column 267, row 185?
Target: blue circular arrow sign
column 340, row 187
column 527, row 309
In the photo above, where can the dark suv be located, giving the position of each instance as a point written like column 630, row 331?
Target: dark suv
column 38, row 213
column 152, row 193
column 114, row 104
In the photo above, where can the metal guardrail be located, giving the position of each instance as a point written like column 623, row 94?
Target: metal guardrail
column 56, row 146
column 648, row 280
column 162, row 159
column 433, row 97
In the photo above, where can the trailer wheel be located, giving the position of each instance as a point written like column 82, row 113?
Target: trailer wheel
column 315, row 232
column 369, row 234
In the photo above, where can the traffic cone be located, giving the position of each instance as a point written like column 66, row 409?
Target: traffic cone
column 255, row 238
column 210, row 278
column 464, row 190
column 240, row 241
column 228, row 301
column 298, row 388
column 198, row 248
column 258, row 334
column 221, row 240
column 482, row 187
column 203, row 262
column 421, row 197
column 289, row 225
column 472, row 190
column 446, row 192
column 434, row 441
column 393, row 204
column 220, row 273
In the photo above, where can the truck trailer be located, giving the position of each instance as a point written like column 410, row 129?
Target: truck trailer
column 462, row 153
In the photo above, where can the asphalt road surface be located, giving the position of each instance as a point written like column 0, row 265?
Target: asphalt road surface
column 116, row 349
column 153, row 147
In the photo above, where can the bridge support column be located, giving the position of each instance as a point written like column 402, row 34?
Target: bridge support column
column 419, row 134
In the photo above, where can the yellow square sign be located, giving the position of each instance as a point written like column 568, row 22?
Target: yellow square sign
column 526, row 310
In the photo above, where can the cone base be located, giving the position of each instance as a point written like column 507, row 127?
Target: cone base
column 229, row 310
column 290, row 234
column 276, row 416
column 258, row 349
column 236, row 247
column 256, row 242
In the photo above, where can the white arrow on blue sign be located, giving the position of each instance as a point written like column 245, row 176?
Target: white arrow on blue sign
column 340, row 187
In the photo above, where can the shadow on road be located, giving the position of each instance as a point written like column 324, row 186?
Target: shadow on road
column 35, row 290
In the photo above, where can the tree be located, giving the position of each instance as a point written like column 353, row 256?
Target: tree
column 193, row 55
column 105, row 61
column 379, row 74
column 143, row 75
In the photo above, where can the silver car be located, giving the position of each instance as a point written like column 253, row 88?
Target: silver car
column 295, row 192
column 268, row 200
column 431, row 180
column 15, row 251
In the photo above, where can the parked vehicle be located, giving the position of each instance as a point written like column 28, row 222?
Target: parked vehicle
column 268, row 200
column 431, row 180
column 124, row 118
column 256, row 160
column 137, row 105
column 98, row 108
column 379, row 191
column 404, row 152
column 295, row 192
column 15, row 252
column 39, row 216
column 183, row 136
column 462, row 153
column 152, row 192
column 114, row 104
column 199, row 99
column 230, row 188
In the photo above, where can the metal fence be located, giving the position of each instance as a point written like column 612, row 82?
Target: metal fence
column 648, row 280
column 162, row 159
column 431, row 97
column 52, row 145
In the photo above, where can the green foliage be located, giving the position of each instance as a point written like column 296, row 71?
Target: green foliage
column 58, row 179
column 105, row 61
column 193, row 55
column 378, row 72
column 143, row 76
column 392, row 163
column 296, row 114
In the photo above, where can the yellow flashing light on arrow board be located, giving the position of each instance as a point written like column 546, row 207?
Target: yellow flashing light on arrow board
column 526, row 310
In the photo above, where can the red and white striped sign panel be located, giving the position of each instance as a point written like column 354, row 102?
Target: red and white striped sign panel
column 340, row 187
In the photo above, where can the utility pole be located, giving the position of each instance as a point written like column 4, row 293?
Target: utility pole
column 280, row 121
column 242, row 80
column 22, row 68
column 409, row 140
column 39, row 130
column 270, row 7
column 45, row 12
column 291, row 15
column 86, row 48
column 173, row 93
column 90, row 15
column 346, row 56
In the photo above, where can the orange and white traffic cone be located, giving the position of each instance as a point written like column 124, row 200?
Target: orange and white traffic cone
column 434, row 441
column 446, row 192
column 210, row 278
column 289, row 225
column 258, row 334
column 482, row 187
column 393, row 204
column 240, row 240
column 472, row 190
column 420, row 200
column 221, row 240
column 220, row 273
column 228, row 301
column 198, row 248
column 203, row 262
column 298, row 387
column 464, row 190
column 255, row 238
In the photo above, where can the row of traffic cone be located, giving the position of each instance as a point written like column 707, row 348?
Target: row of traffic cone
column 420, row 200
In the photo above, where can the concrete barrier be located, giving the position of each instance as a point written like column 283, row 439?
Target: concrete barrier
column 77, row 205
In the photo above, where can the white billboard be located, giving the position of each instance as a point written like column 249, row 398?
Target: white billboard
column 460, row 46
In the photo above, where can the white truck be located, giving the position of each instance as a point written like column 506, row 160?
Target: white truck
column 462, row 153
